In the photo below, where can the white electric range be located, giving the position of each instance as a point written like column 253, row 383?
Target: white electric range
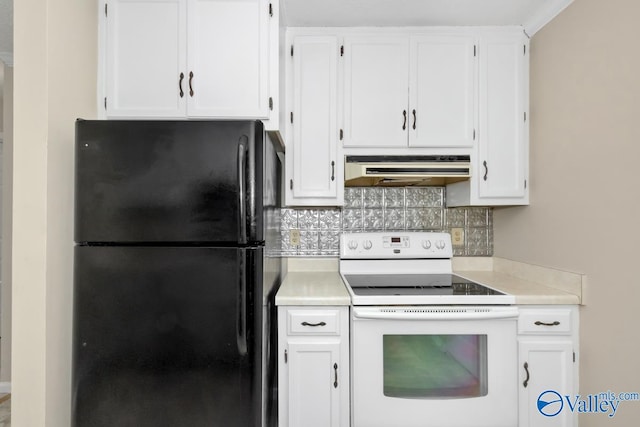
column 428, row 347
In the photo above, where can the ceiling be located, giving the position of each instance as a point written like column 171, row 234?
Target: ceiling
column 531, row 14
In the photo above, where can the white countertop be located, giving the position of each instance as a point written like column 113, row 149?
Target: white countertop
column 316, row 281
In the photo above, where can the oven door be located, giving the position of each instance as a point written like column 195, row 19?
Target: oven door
column 434, row 366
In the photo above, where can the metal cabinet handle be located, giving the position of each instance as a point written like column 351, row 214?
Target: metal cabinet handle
column 190, row 83
column 404, row 119
column 335, row 370
column 415, row 119
column 333, row 170
column 313, row 324
column 486, row 169
column 180, row 85
column 538, row 323
column 526, row 369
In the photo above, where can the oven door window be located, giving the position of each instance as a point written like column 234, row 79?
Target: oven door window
column 435, row 366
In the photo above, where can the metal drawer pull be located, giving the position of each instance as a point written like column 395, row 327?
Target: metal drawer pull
column 526, row 369
column 333, row 170
column 313, row 324
column 180, row 84
column 538, row 323
column 404, row 122
column 415, row 119
column 335, row 370
column 190, row 83
column 486, row 169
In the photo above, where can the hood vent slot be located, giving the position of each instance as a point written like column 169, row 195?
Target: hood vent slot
column 406, row 170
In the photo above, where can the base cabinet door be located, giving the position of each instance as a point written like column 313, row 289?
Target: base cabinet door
column 313, row 382
column 546, row 378
column 548, row 366
column 313, row 367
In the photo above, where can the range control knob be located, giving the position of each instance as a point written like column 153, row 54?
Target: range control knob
column 426, row 244
column 353, row 245
column 440, row 244
column 367, row 244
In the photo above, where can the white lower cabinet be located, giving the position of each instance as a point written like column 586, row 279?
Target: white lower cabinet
column 313, row 366
column 548, row 365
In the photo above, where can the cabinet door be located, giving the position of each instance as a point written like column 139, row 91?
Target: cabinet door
column 228, row 58
column 145, row 58
column 501, row 167
column 442, row 95
column 549, row 370
column 376, row 89
column 316, row 168
column 314, row 398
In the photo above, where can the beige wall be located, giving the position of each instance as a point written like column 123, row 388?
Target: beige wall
column 54, row 83
column 585, row 198
column 6, row 194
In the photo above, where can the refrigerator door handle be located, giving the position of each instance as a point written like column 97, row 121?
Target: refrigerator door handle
column 242, row 192
column 241, row 336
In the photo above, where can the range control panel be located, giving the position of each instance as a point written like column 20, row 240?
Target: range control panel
column 395, row 245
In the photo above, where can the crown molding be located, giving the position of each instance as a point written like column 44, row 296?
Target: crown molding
column 7, row 58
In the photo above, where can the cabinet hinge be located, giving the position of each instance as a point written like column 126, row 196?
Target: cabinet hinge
column 286, row 357
column 291, row 117
column 291, row 50
column 341, row 134
column 342, row 50
column 574, row 357
column 105, row 9
column 270, row 9
column 524, row 52
column 525, row 184
column 525, row 116
column 474, row 134
column 291, row 188
column 105, row 103
column 271, row 103
column 474, row 49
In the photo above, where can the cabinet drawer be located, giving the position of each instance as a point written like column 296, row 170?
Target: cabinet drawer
column 552, row 321
column 313, row 322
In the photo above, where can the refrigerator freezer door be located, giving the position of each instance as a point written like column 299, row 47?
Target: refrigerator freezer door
column 169, row 181
column 167, row 336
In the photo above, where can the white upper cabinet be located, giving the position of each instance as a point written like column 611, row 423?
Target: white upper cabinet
column 187, row 58
column 416, row 91
column 376, row 91
column 500, row 159
column 227, row 47
column 314, row 166
column 442, row 95
column 145, row 58
column 504, row 150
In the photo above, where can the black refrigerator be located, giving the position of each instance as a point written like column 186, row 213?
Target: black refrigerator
column 175, row 271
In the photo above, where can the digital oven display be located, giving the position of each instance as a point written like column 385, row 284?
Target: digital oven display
column 395, row 241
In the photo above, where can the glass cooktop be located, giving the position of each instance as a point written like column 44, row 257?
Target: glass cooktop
column 415, row 284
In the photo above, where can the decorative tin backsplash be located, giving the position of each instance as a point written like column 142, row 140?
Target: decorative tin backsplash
column 390, row 208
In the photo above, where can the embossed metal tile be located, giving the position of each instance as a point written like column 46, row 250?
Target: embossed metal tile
column 373, row 220
column 308, row 219
column 394, row 219
column 416, row 219
column 456, row 217
column 289, row 219
column 330, row 219
column 394, row 197
column 353, row 197
column 373, row 197
column 433, row 218
column 352, row 219
column 435, row 197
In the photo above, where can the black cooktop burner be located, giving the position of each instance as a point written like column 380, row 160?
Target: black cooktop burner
column 415, row 284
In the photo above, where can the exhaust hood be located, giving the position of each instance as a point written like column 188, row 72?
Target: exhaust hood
column 405, row 170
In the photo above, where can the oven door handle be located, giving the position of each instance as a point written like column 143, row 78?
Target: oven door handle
column 435, row 315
